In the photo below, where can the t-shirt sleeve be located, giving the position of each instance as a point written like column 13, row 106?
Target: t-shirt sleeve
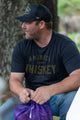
column 18, row 61
column 71, row 57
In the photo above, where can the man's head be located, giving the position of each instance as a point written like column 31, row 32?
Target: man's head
column 36, row 12
column 36, row 19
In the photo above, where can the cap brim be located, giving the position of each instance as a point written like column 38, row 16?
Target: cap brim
column 24, row 19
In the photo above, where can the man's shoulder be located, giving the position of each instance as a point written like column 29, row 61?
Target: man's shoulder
column 23, row 43
column 60, row 38
column 22, row 46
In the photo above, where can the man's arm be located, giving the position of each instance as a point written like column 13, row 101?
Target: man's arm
column 42, row 94
column 16, row 86
column 68, row 84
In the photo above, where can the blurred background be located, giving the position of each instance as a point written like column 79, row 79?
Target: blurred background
column 69, row 19
column 66, row 20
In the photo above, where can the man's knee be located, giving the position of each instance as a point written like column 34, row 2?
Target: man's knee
column 7, row 109
column 10, row 104
column 65, row 105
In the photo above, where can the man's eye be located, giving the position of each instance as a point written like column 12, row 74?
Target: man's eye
column 28, row 23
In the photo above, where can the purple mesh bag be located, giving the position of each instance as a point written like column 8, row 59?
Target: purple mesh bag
column 33, row 111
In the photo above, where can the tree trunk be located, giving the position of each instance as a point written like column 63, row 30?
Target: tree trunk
column 10, row 32
column 52, row 5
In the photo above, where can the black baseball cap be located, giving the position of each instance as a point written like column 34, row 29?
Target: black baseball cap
column 36, row 12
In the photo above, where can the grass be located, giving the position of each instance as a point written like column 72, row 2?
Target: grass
column 55, row 118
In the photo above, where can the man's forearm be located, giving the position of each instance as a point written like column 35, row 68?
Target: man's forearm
column 16, row 86
column 68, row 84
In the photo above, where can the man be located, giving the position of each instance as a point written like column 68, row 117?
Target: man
column 49, row 61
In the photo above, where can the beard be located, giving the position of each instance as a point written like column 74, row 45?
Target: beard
column 29, row 37
column 32, row 36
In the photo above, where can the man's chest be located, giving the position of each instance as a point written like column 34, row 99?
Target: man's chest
column 42, row 63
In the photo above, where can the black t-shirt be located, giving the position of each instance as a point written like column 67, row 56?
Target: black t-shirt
column 47, row 65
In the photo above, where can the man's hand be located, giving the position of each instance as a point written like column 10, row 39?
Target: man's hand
column 41, row 95
column 25, row 95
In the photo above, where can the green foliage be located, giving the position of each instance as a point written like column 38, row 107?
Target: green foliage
column 72, row 36
column 68, row 7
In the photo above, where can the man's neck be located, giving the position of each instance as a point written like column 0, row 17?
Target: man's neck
column 44, row 39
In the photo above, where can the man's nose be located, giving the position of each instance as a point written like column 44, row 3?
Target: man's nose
column 23, row 25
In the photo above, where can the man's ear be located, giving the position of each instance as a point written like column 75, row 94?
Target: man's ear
column 42, row 24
